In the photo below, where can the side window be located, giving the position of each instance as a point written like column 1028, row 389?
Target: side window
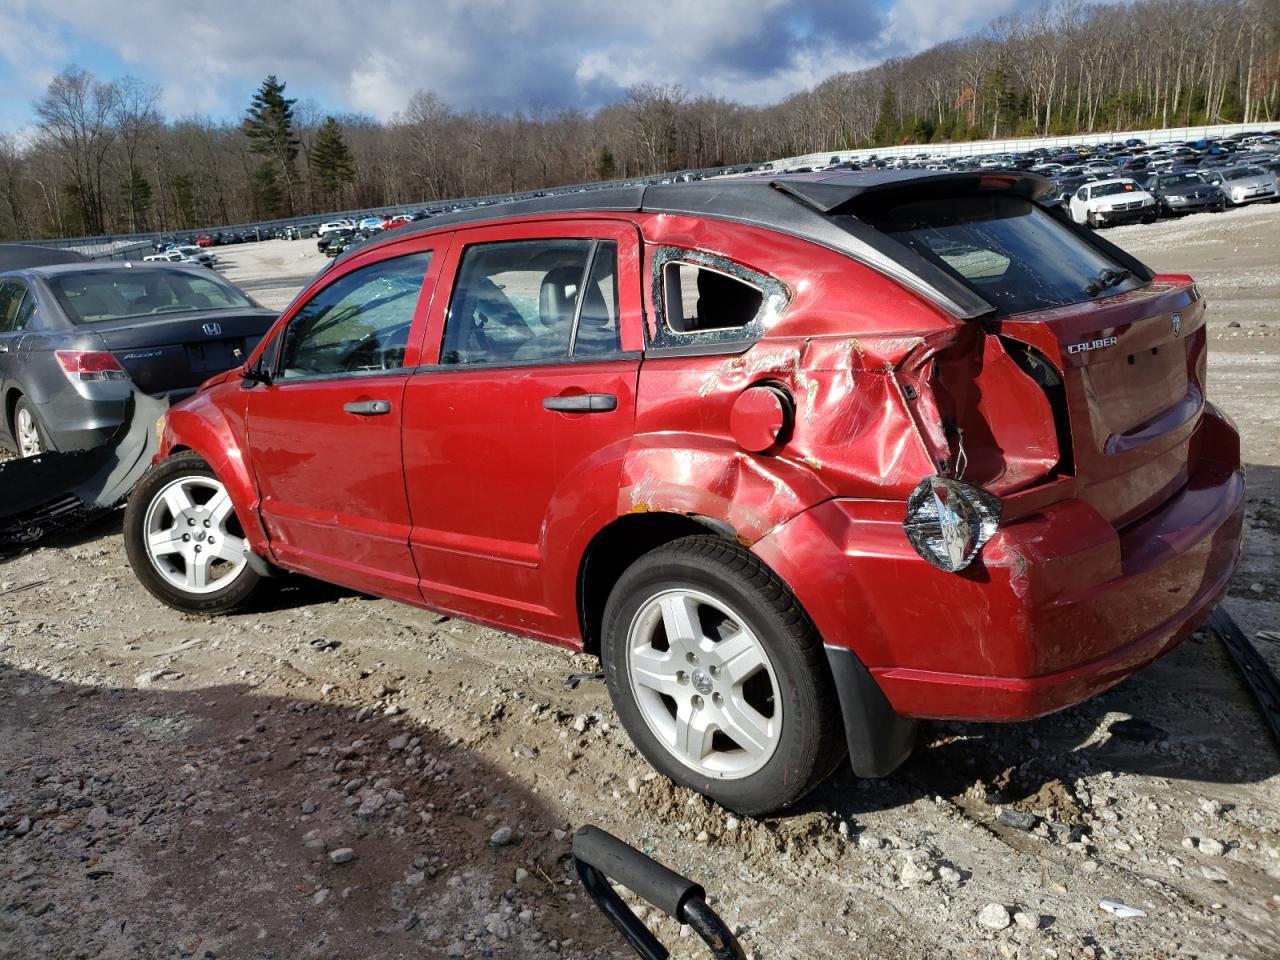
column 358, row 323
column 700, row 298
column 533, row 300
column 10, row 299
column 26, row 307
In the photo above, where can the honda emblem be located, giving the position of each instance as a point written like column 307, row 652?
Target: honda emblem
column 215, row 329
column 1177, row 323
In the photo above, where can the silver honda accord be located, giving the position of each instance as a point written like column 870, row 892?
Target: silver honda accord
column 77, row 338
column 1246, row 184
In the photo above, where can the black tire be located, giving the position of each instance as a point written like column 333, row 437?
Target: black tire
column 237, row 593
column 24, row 406
column 1091, row 221
column 811, row 741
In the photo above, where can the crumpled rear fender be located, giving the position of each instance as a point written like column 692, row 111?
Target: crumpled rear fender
column 851, row 432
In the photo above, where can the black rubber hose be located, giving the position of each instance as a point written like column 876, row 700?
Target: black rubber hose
column 662, row 887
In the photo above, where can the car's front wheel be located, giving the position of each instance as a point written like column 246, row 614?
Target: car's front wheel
column 719, row 677
column 184, row 540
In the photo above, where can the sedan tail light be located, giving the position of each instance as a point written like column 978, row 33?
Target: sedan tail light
column 87, row 365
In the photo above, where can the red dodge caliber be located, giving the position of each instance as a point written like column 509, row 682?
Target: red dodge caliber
column 802, row 460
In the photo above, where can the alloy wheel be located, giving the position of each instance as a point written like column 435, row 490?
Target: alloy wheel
column 193, row 538
column 28, row 434
column 704, row 684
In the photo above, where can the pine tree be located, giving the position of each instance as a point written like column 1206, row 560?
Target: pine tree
column 135, row 192
column 332, row 163
column 268, row 195
column 606, row 166
column 269, row 128
column 886, row 130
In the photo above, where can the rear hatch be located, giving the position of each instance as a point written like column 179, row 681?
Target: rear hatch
column 1133, row 370
column 1118, row 352
column 179, row 352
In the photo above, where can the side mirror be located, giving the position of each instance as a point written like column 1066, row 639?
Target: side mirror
column 251, row 376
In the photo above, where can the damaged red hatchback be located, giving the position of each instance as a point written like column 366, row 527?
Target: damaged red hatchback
column 802, row 460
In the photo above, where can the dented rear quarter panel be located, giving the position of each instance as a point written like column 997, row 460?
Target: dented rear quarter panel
column 837, row 350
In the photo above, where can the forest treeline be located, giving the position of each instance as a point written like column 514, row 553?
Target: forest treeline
column 103, row 158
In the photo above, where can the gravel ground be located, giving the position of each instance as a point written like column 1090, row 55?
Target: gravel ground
column 337, row 776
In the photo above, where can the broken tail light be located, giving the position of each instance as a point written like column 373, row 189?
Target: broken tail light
column 90, row 365
column 948, row 521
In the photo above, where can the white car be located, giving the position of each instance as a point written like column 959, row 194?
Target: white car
column 334, row 226
column 1106, row 202
column 184, row 254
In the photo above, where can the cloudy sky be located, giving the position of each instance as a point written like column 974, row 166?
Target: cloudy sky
column 370, row 55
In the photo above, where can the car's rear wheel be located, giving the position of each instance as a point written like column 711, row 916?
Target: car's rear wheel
column 185, row 543
column 27, row 433
column 719, row 677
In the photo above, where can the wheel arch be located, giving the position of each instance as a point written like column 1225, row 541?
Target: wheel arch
column 621, row 543
column 215, row 442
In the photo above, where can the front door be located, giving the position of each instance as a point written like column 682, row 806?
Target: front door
column 324, row 434
column 513, row 439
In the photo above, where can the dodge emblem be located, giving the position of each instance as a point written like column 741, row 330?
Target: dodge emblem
column 1177, row 323
column 215, row 329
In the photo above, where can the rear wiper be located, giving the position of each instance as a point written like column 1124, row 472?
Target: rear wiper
column 1107, row 278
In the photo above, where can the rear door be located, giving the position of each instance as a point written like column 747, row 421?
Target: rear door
column 514, row 435
column 324, row 435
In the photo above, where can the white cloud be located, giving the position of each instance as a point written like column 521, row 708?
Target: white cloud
column 371, row 55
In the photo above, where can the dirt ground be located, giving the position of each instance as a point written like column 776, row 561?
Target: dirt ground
column 175, row 786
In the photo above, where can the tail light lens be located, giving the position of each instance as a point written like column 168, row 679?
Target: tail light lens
column 88, row 365
column 948, row 521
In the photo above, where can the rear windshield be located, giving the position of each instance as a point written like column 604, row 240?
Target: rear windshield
column 1107, row 189
column 100, row 296
column 1181, row 180
column 1010, row 252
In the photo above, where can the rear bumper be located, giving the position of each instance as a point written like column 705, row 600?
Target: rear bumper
column 73, row 423
column 1059, row 607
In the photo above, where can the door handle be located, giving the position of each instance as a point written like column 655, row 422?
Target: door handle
column 582, row 403
column 368, row 408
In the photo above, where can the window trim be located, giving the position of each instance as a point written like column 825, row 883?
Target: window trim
column 276, row 344
column 568, row 357
column 5, row 282
column 775, row 298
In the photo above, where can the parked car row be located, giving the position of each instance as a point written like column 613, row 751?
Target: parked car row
column 1122, row 182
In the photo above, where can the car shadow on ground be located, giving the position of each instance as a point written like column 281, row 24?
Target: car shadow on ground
column 151, row 822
